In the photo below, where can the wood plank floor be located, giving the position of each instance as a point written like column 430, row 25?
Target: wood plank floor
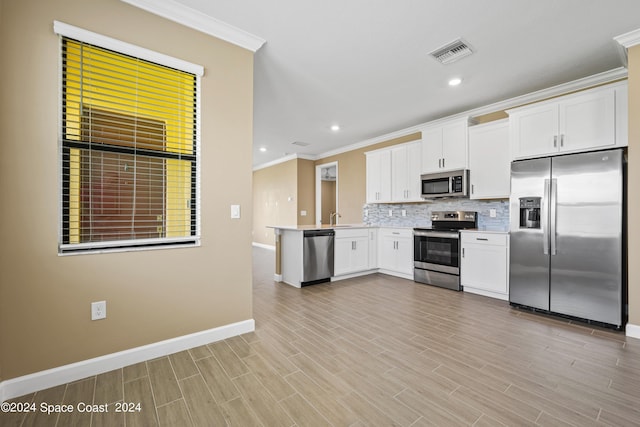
column 373, row 351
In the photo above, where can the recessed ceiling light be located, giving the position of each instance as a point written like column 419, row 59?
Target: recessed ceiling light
column 455, row 82
column 335, row 128
column 263, row 149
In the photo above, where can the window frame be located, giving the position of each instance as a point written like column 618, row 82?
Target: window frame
column 84, row 36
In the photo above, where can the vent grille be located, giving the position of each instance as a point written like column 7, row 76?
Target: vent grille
column 301, row 144
column 452, row 52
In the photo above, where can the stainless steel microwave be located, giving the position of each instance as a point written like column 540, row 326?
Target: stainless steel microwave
column 445, row 184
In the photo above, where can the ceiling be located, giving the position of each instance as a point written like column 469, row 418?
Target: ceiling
column 365, row 66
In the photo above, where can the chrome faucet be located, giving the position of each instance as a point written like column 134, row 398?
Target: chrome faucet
column 334, row 215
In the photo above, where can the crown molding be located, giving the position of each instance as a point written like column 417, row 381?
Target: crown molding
column 625, row 41
column 629, row 39
column 177, row 12
column 285, row 159
column 610, row 76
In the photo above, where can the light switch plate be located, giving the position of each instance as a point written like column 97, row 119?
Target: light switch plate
column 235, row 211
column 492, row 213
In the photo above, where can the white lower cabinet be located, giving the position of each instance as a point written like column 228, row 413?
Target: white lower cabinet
column 373, row 248
column 351, row 253
column 395, row 251
column 484, row 266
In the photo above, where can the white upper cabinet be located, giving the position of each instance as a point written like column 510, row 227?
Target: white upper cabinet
column 379, row 176
column 489, row 160
column 444, row 146
column 405, row 172
column 589, row 120
column 393, row 174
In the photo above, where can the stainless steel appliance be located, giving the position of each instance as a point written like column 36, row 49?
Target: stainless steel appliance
column 317, row 257
column 445, row 184
column 436, row 254
column 567, row 246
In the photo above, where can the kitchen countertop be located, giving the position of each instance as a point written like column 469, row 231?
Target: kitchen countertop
column 319, row 227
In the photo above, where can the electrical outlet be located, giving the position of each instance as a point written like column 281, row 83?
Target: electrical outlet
column 98, row 310
column 492, row 213
column 390, row 212
column 404, row 212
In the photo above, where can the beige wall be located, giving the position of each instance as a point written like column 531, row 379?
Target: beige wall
column 328, row 202
column 272, row 189
column 633, row 189
column 352, row 175
column 151, row 295
column 306, row 192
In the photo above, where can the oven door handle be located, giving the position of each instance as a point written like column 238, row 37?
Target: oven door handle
column 447, row 235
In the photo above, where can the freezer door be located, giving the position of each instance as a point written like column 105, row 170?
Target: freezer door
column 587, row 268
column 529, row 247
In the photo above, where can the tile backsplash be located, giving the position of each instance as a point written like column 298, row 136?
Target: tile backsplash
column 419, row 214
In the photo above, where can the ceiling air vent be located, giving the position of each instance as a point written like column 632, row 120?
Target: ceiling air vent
column 452, row 52
column 301, row 144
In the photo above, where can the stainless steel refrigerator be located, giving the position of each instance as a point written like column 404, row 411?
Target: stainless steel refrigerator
column 567, row 242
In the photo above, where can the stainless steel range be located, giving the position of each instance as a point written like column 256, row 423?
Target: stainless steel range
column 437, row 249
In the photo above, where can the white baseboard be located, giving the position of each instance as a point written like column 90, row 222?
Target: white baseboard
column 277, row 277
column 396, row 274
column 352, row 275
column 632, row 331
column 263, row 246
column 491, row 294
column 75, row 371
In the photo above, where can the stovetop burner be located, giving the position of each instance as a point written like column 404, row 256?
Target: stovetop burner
column 451, row 221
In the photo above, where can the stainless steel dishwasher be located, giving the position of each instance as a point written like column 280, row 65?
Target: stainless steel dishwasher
column 317, row 256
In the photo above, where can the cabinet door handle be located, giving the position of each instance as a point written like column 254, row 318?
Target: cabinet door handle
column 482, row 238
column 473, row 188
column 555, row 141
column 462, row 252
column 439, row 163
column 562, row 140
column 442, row 162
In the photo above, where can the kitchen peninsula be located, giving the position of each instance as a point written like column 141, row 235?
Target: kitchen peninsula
column 355, row 248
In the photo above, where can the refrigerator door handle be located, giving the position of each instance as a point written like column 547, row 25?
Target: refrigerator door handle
column 545, row 218
column 554, row 209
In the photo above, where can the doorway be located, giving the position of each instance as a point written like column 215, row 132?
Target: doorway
column 326, row 191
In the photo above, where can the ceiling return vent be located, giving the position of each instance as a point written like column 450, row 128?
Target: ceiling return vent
column 301, row 144
column 452, row 52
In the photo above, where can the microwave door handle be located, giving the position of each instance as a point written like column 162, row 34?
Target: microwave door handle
column 545, row 218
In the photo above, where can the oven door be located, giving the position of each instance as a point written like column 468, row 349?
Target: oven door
column 437, row 251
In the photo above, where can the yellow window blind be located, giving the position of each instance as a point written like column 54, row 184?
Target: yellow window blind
column 128, row 151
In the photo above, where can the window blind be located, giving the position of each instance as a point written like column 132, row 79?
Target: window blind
column 129, row 151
